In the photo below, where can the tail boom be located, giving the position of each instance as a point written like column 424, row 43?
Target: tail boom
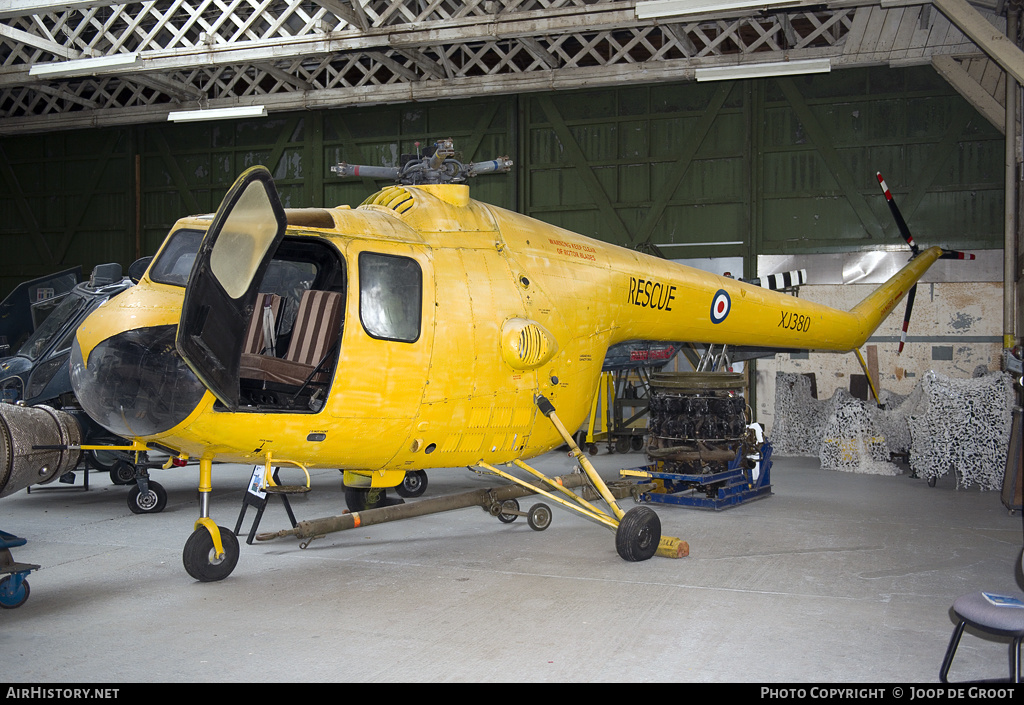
column 719, row 310
column 874, row 309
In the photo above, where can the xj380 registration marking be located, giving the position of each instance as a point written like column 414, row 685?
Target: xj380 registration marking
column 793, row 321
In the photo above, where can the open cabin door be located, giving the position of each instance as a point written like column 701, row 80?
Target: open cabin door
column 225, row 278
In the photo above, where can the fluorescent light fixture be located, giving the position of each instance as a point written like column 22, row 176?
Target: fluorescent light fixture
column 778, row 68
column 84, row 67
column 699, row 244
column 670, row 8
column 242, row 111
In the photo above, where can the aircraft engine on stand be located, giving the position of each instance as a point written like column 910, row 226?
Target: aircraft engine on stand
column 38, row 444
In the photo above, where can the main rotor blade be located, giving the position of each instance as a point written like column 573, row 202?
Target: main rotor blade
column 906, row 317
column 897, row 216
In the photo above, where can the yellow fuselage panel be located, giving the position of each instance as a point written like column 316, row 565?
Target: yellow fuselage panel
column 450, row 398
column 141, row 306
column 631, row 295
column 315, row 440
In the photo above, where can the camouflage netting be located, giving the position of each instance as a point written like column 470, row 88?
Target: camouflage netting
column 893, row 418
column 944, row 423
column 963, row 424
column 798, row 425
column 853, row 439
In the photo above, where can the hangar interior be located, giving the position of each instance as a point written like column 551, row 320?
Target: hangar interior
column 746, row 136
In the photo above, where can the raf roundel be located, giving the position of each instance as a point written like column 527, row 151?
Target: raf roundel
column 720, row 305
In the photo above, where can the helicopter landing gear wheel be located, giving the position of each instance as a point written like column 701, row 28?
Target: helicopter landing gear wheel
column 638, row 534
column 152, row 501
column 358, row 499
column 12, row 596
column 122, row 472
column 113, row 462
column 200, row 559
column 510, row 506
column 103, row 460
column 539, row 517
column 414, row 484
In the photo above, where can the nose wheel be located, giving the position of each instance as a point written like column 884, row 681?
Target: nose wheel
column 201, row 559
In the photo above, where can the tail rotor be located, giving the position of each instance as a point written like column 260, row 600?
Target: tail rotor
column 901, row 224
column 897, row 216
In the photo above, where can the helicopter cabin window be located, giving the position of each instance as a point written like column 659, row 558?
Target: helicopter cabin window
column 244, row 240
column 390, row 296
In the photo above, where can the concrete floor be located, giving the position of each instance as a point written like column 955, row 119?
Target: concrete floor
column 835, row 578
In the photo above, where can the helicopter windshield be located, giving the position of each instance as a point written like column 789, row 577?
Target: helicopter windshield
column 55, row 324
column 174, row 263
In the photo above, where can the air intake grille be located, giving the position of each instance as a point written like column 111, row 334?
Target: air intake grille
column 396, row 198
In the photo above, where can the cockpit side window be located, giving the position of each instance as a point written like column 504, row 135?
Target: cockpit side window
column 56, row 323
column 390, row 296
column 175, row 261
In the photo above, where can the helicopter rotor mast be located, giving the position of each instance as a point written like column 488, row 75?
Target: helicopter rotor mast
column 438, row 166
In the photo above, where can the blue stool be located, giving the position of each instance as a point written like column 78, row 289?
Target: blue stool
column 1001, row 614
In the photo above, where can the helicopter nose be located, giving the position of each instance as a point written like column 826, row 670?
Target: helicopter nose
column 134, row 383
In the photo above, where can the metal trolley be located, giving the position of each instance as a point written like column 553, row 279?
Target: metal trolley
column 14, row 588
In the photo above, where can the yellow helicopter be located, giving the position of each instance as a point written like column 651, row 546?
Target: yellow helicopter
column 419, row 330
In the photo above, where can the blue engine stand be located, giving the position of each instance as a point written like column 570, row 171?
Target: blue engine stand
column 13, row 586
column 692, row 490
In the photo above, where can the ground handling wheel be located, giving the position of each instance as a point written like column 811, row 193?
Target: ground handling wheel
column 509, row 511
column 200, row 559
column 638, row 535
column 14, row 592
column 539, row 517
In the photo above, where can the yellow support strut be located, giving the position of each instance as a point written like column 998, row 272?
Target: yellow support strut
column 602, row 489
column 587, row 510
column 668, row 546
column 867, row 373
column 205, row 488
column 561, row 488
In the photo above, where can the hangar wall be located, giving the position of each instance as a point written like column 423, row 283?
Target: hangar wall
column 956, row 330
column 687, row 170
column 710, row 169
